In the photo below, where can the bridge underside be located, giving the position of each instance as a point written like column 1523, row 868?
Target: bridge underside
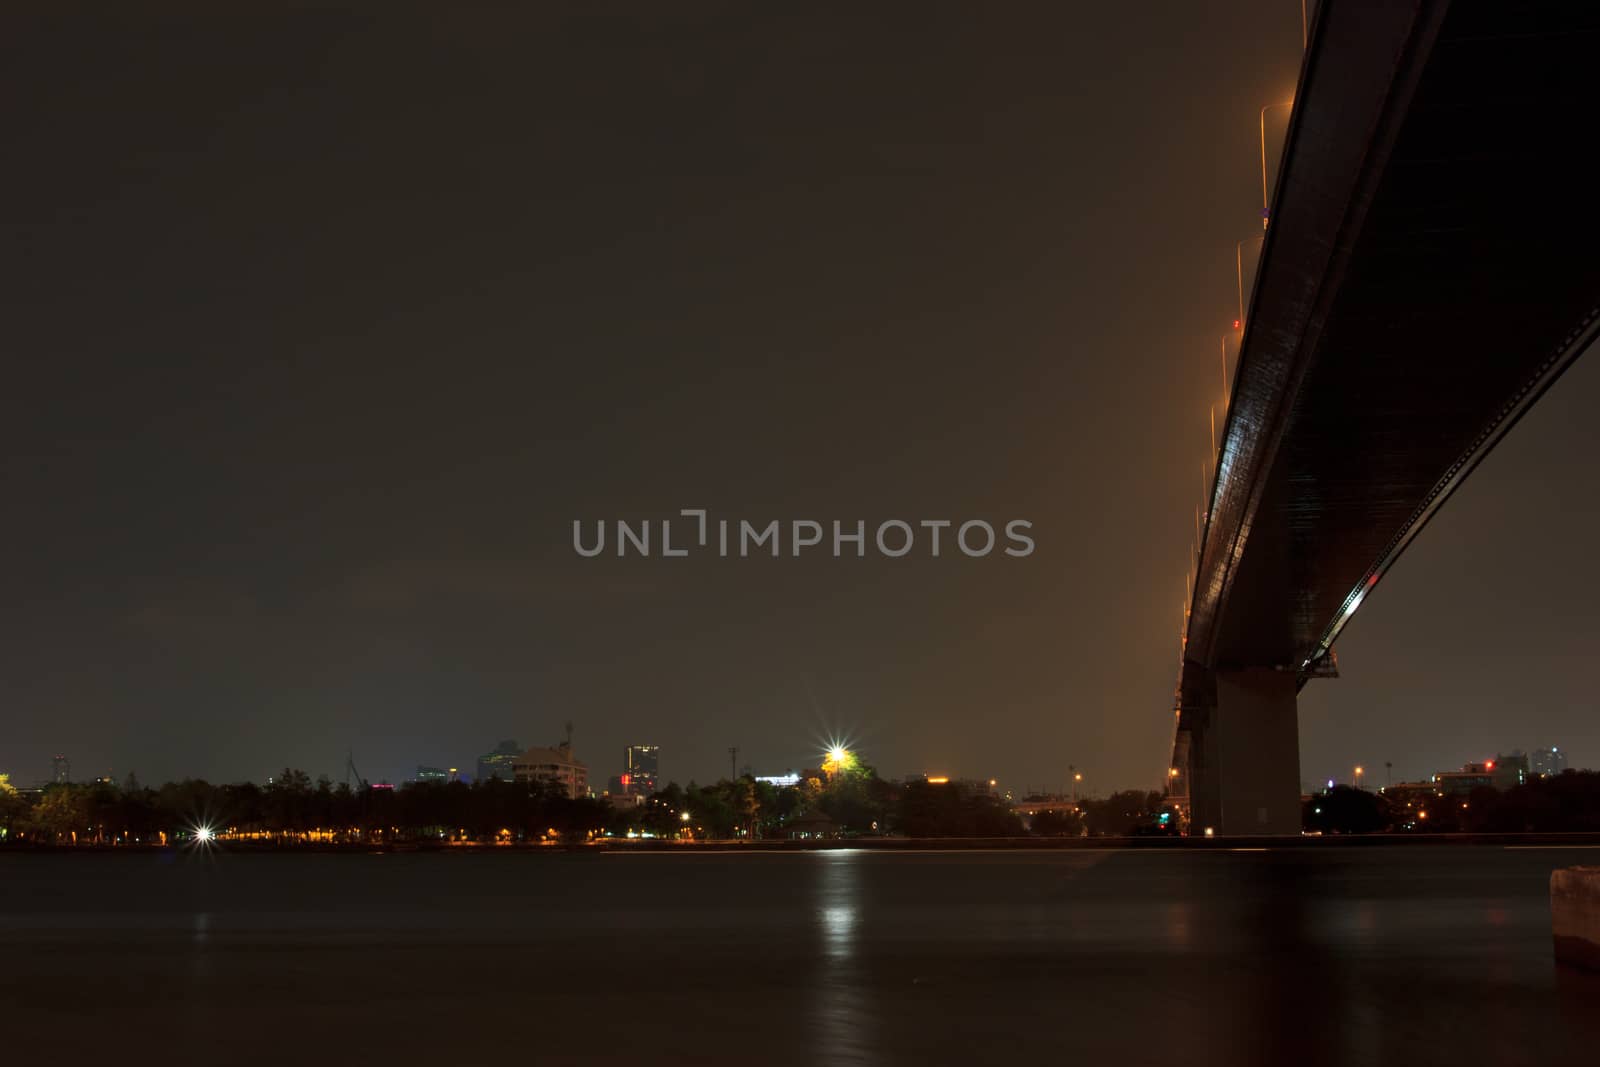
column 1429, row 271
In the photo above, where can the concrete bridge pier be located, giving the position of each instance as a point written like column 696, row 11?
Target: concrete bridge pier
column 1244, row 754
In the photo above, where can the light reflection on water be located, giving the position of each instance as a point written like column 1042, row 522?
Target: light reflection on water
column 1179, row 924
column 837, row 927
column 844, row 1008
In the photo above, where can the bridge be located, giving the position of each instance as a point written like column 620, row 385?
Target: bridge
column 1430, row 266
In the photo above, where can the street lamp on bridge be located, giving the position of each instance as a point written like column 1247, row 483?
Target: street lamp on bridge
column 1266, row 205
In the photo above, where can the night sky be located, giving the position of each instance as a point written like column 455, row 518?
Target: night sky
column 323, row 327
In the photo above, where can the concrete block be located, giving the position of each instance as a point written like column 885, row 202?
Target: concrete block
column 1575, row 915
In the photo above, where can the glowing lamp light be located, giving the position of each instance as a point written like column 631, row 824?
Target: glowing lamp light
column 203, row 834
column 838, row 758
column 1237, row 323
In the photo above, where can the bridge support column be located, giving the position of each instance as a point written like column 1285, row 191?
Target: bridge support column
column 1244, row 772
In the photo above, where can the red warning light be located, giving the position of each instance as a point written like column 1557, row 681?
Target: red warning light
column 1489, row 766
column 1236, row 324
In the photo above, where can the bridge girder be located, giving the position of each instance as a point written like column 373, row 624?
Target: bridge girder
column 1403, row 318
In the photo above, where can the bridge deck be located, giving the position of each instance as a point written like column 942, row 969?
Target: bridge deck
column 1429, row 270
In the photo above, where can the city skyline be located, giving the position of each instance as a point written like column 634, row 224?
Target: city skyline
column 1541, row 760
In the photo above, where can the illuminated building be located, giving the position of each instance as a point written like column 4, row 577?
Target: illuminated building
column 62, row 772
column 1502, row 772
column 1549, row 762
column 781, row 781
column 1468, row 778
column 431, row 774
column 641, row 766
column 499, row 763
column 553, row 765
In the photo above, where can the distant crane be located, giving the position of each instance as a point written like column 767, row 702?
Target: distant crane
column 350, row 772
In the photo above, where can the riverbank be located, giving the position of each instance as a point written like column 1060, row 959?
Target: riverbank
column 878, row 844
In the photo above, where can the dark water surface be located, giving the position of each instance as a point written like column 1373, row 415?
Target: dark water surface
column 1403, row 955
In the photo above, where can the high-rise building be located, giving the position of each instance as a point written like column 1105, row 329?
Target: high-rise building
column 499, row 763
column 1548, row 762
column 62, row 772
column 555, row 766
column 641, row 766
column 431, row 774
